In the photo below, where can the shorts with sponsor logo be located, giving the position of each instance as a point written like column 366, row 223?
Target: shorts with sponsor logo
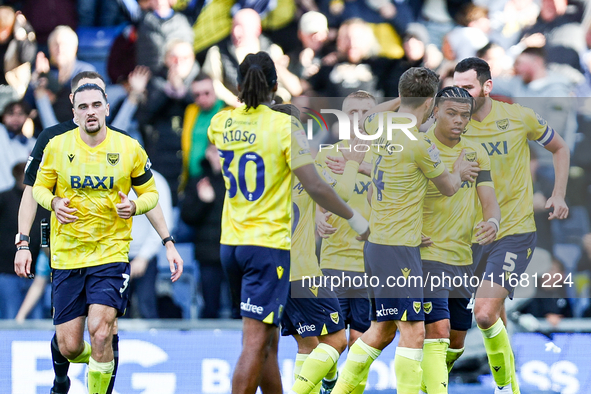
column 447, row 301
column 354, row 302
column 75, row 289
column 398, row 265
column 504, row 258
column 259, row 280
column 311, row 316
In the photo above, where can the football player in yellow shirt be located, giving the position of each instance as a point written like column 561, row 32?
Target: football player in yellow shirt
column 91, row 170
column 341, row 253
column 260, row 149
column 400, row 178
column 448, row 230
column 504, row 131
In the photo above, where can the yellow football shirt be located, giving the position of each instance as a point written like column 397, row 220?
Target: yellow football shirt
column 91, row 177
column 504, row 134
column 449, row 221
column 400, row 179
column 341, row 250
column 258, row 149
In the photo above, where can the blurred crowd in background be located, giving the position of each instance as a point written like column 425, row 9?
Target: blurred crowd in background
column 171, row 65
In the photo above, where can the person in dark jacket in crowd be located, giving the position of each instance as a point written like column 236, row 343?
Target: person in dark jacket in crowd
column 202, row 208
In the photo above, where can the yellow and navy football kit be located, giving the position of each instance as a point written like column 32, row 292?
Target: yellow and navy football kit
column 400, row 179
column 89, row 256
column 311, row 310
column 341, row 253
column 449, row 222
column 504, row 133
column 258, row 150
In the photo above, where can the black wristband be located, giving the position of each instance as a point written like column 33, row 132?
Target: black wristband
column 23, row 247
column 169, row 238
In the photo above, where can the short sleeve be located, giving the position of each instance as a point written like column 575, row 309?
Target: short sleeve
column 537, row 128
column 296, row 145
column 141, row 172
column 427, row 157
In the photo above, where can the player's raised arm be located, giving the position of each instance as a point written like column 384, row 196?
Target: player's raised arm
column 561, row 159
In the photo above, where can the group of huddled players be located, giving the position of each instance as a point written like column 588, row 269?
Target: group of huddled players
column 455, row 201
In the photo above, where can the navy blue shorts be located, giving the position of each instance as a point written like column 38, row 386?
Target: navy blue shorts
column 444, row 299
column 74, row 290
column 311, row 317
column 399, row 293
column 354, row 302
column 504, row 258
column 259, row 280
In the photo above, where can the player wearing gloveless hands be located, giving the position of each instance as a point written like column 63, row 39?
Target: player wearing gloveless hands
column 26, row 216
column 510, row 126
column 259, row 148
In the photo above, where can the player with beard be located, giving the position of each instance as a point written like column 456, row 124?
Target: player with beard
column 91, row 169
column 504, row 130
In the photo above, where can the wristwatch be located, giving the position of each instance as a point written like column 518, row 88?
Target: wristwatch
column 169, row 238
column 21, row 237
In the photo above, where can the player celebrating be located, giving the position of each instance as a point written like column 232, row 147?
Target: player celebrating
column 91, row 168
column 400, row 179
column 341, row 252
column 259, row 148
column 448, row 230
column 26, row 215
column 504, row 130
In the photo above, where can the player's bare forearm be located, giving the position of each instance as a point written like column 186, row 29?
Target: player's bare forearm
column 156, row 218
column 26, row 216
column 488, row 200
column 390, row 105
column 321, row 192
column 365, row 168
column 561, row 160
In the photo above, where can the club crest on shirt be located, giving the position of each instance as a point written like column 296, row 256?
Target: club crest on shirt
column 471, row 156
column 334, row 316
column 113, row 158
column 503, row 124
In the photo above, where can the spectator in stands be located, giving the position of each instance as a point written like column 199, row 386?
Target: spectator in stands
column 496, row 57
column 195, row 124
column 15, row 146
column 352, row 67
column 12, row 287
column 58, row 71
column 202, row 208
column 45, row 16
column 551, row 301
column 161, row 116
column 18, row 47
column 313, row 34
column 156, row 29
column 472, row 34
column 143, row 256
column 542, row 191
column 510, row 19
column 415, row 44
column 223, row 59
column 560, row 25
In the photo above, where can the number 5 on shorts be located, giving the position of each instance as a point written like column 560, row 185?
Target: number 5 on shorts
column 509, row 262
column 125, row 283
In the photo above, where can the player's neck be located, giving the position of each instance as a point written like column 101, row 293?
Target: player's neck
column 483, row 111
column 445, row 141
column 93, row 139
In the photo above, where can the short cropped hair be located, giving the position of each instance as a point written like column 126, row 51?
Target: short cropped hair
column 473, row 63
column 416, row 85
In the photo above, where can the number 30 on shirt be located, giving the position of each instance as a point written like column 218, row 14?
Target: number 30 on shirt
column 250, row 195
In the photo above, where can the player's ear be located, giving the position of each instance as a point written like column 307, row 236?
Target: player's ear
column 487, row 87
column 107, row 109
column 435, row 112
column 72, row 98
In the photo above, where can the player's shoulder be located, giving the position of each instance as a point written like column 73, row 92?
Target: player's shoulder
column 53, row 131
column 514, row 111
column 219, row 120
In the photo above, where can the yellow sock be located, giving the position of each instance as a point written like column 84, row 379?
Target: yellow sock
column 407, row 366
column 356, row 367
column 361, row 386
column 99, row 376
column 316, row 366
column 498, row 350
column 514, row 383
column 452, row 356
column 434, row 367
column 84, row 356
column 299, row 361
column 332, row 374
